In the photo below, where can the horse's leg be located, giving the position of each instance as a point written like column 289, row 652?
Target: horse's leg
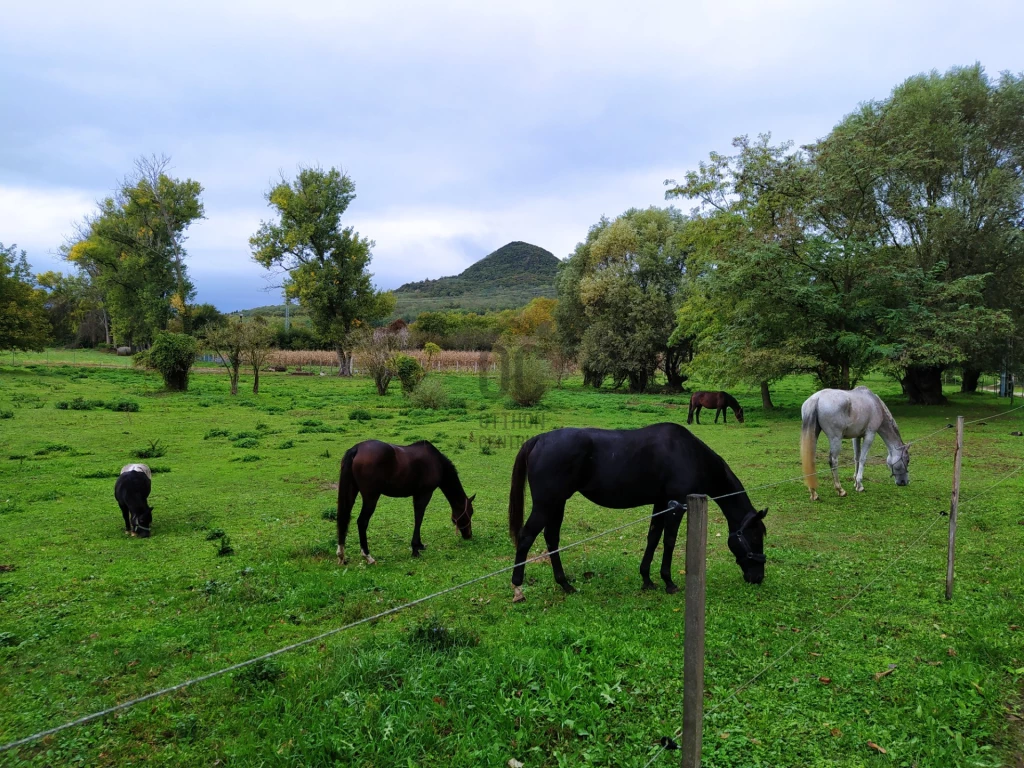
column 835, row 445
column 552, row 532
column 856, row 463
column 126, row 513
column 689, row 416
column 862, row 460
column 653, row 537
column 419, row 505
column 369, row 505
column 534, row 525
column 671, row 530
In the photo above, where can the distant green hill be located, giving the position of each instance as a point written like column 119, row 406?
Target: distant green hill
column 510, row 277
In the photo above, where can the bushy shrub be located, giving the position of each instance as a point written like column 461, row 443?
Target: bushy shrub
column 409, row 372
column 359, row 414
column 173, row 354
column 123, row 406
column 528, row 379
column 153, row 451
column 429, row 394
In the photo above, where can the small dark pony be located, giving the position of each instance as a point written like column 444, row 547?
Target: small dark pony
column 131, row 491
column 624, row 468
column 377, row 469
column 717, row 400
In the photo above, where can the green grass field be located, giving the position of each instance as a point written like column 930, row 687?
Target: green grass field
column 90, row 617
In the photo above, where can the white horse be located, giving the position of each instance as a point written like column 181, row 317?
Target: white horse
column 856, row 414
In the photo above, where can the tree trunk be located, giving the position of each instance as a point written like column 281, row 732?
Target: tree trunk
column 766, row 397
column 344, row 362
column 844, row 382
column 255, row 380
column 233, row 373
column 923, row 385
column 969, row 380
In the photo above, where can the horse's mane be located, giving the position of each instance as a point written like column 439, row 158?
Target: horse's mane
column 888, row 414
column 731, row 401
column 449, row 467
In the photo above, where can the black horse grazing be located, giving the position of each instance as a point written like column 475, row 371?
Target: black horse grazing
column 132, row 494
column 377, row 469
column 623, row 468
column 717, row 400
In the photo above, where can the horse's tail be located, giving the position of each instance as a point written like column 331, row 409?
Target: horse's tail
column 515, row 495
column 693, row 404
column 347, row 491
column 808, row 439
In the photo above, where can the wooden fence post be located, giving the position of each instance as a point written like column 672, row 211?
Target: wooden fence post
column 954, row 503
column 693, row 650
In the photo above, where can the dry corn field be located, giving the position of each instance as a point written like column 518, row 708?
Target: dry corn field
column 446, row 360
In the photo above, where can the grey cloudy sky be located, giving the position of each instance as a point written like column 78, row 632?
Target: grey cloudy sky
column 464, row 124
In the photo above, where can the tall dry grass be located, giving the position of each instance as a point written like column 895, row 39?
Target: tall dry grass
column 443, row 361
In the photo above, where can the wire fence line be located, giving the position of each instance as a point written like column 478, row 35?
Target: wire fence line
column 669, row 745
column 308, row 641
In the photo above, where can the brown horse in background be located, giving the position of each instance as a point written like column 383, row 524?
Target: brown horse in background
column 377, row 469
column 717, row 400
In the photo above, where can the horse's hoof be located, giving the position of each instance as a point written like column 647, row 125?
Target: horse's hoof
column 842, row 492
column 369, row 559
column 671, row 589
column 518, row 596
column 649, row 585
column 569, row 589
column 814, row 496
column 415, row 552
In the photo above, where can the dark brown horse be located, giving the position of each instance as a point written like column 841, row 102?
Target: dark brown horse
column 377, row 469
column 717, row 400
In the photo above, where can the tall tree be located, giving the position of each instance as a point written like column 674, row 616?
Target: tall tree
column 75, row 308
column 770, row 293
column 934, row 178
column 621, row 289
column 23, row 321
column 325, row 261
column 133, row 249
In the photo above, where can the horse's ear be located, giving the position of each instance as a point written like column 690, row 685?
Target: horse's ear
column 762, row 513
column 471, row 498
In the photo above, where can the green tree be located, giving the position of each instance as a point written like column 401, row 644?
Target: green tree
column 771, row 291
column 133, row 249
column 229, row 341
column 75, row 308
column 23, row 321
column 258, row 340
column 622, row 287
column 933, row 179
column 326, row 262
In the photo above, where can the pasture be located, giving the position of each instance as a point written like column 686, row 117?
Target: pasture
column 90, row 617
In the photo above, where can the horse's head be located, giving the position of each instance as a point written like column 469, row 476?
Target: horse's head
column 464, row 520
column 739, row 413
column 142, row 522
column 899, row 464
column 747, row 544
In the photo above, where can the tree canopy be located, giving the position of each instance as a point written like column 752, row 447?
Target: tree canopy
column 23, row 320
column 133, row 251
column 894, row 242
column 325, row 261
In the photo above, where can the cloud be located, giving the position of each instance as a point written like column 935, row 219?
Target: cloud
column 39, row 220
column 464, row 124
